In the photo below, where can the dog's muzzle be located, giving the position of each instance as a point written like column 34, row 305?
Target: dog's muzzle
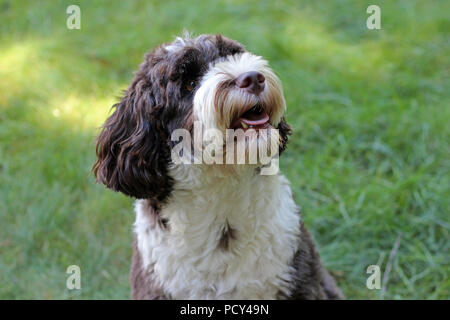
column 240, row 92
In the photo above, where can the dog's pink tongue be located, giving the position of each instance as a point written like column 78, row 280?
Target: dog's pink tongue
column 253, row 119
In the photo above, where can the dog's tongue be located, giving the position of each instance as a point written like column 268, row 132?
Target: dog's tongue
column 254, row 119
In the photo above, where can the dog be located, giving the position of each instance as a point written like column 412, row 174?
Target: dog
column 207, row 231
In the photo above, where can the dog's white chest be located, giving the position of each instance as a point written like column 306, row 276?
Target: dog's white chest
column 190, row 263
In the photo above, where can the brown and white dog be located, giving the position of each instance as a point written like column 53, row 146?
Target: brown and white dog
column 207, row 231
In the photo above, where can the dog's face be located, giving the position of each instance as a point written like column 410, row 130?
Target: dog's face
column 210, row 79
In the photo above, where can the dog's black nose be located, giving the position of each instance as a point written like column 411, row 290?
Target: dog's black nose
column 252, row 82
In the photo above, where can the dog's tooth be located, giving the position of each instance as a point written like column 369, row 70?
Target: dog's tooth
column 244, row 125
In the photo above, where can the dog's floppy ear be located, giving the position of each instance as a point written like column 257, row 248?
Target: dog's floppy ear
column 285, row 131
column 132, row 150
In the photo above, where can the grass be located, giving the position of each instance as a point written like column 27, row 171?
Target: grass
column 369, row 157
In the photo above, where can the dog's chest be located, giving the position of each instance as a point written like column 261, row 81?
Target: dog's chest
column 230, row 243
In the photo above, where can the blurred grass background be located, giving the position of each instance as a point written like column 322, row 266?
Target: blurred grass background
column 369, row 157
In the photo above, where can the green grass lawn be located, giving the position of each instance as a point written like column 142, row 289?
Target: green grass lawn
column 369, row 157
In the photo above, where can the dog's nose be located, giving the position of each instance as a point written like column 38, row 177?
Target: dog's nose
column 252, row 82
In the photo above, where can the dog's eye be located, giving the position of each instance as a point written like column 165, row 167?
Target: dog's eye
column 190, row 85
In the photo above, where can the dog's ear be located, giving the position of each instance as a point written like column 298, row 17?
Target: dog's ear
column 132, row 150
column 285, row 131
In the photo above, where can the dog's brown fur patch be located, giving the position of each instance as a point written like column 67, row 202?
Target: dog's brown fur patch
column 142, row 285
column 228, row 234
column 310, row 281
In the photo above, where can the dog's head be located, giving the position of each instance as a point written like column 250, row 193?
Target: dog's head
column 210, row 79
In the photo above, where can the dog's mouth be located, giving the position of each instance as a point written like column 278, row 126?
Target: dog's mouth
column 254, row 118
